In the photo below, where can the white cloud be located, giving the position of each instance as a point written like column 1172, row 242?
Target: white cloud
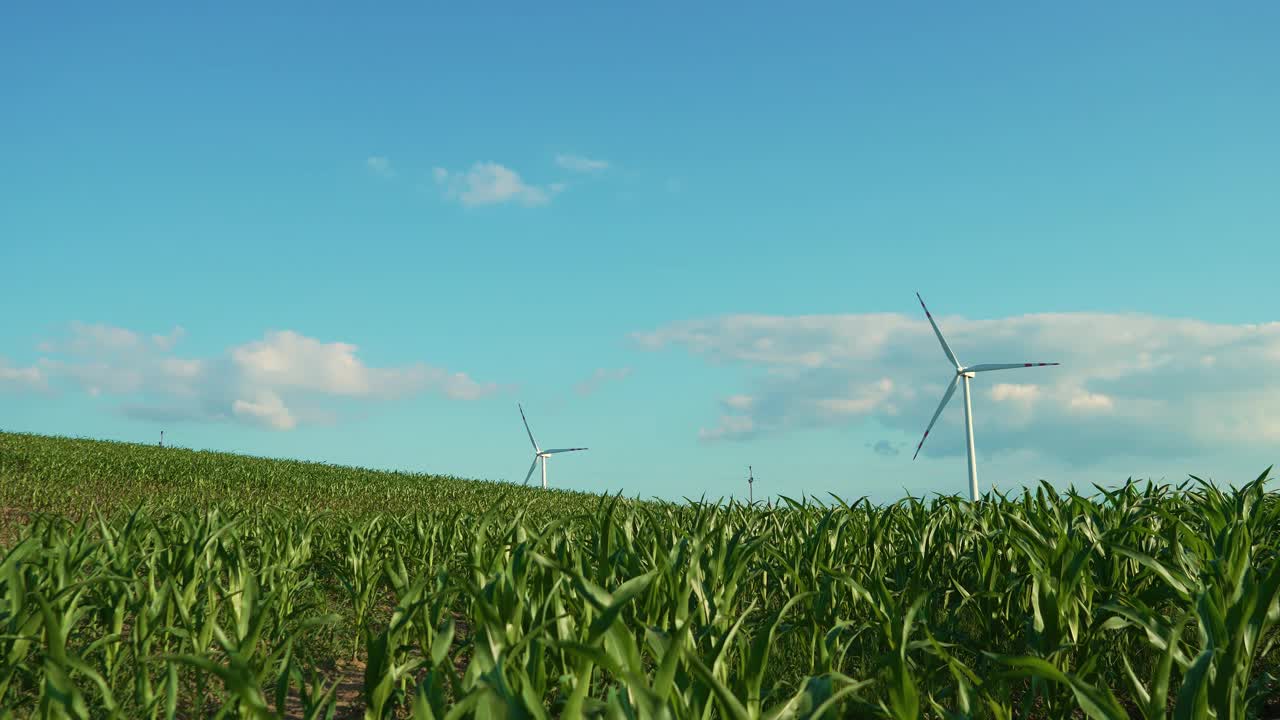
column 380, row 165
column 578, row 163
column 1087, row 401
column 166, row 342
column 286, row 359
column 103, row 359
column 1013, row 392
column 738, row 426
column 458, row 386
column 97, row 337
column 600, row 377
column 266, row 409
column 489, row 183
column 264, row 382
column 1128, row 383
column 20, row 378
column 858, row 399
column 735, row 422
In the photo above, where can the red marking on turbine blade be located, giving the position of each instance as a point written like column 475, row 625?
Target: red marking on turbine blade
column 1026, row 364
column 926, row 436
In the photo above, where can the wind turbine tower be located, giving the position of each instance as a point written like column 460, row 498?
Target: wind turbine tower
column 751, row 480
column 539, row 453
column 964, row 374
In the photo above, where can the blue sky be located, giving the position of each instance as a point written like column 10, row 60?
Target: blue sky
column 287, row 233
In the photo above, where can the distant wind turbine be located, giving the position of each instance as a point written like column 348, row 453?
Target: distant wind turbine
column 751, row 481
column 539, row 453
column 965, row 373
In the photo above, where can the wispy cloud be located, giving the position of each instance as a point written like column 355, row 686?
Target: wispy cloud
column 739, row 427
column 1129, row 385
column 20, row 378
column 599, row 378
column 380, row 165
column 489, row 183
column 280, row 381
column 578, row 163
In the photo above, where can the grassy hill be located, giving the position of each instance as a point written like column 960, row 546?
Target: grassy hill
column 76, row 476
column 146, row 582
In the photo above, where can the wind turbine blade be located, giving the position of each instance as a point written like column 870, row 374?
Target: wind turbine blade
column 1005, row 366
column 951, row 389
column 526, row 429
column 560, row 450
column 531, row 467
column 945, row 348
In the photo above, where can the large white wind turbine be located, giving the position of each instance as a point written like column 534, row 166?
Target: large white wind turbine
column 539, row 453
column 965, row 374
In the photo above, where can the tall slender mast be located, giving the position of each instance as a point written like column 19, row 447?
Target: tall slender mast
column 751, row 479
column 968, row 429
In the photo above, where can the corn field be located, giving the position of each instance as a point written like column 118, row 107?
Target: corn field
column 145, row 582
